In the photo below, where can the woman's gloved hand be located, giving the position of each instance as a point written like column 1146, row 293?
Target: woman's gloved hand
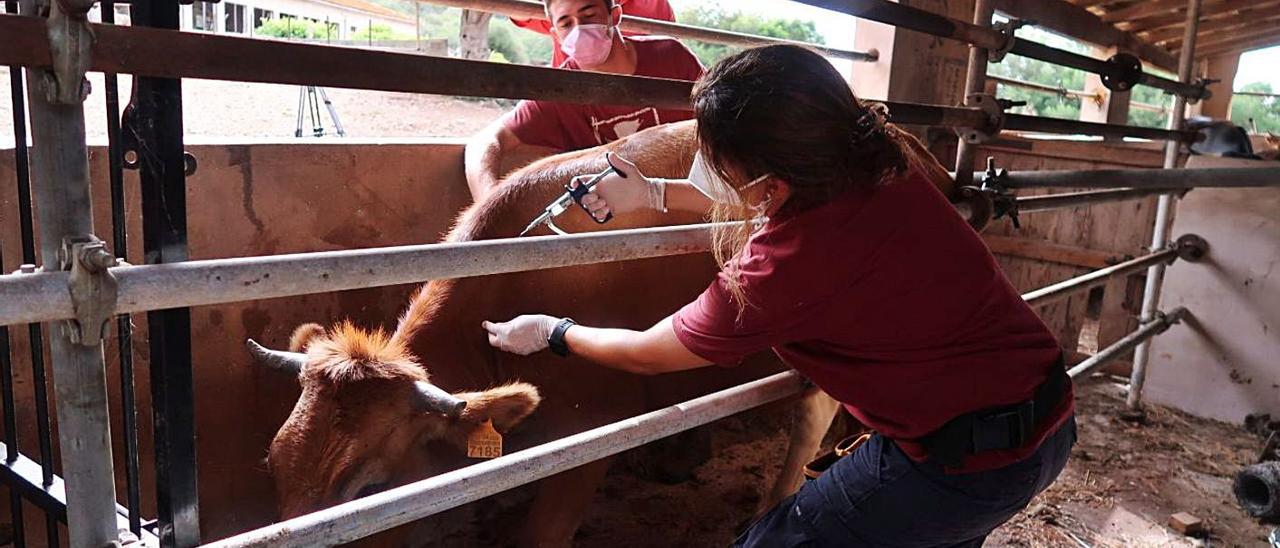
column 522, row 335
column 622, row 192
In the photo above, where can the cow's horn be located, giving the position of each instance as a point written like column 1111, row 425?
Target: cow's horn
column 432, row 398
column 288, row 362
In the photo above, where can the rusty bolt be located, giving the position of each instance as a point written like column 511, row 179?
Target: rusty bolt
column 97, row 259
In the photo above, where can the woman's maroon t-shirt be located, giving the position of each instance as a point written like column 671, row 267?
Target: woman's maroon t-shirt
column 890, row 302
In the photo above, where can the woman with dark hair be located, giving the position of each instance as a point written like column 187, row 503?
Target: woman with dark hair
column 858, row 273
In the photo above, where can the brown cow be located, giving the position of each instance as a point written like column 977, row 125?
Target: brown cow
column 368, row 407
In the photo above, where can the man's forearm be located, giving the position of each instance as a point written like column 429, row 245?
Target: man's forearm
column 483, row 158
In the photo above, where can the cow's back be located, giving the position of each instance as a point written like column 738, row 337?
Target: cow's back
column 631, row 294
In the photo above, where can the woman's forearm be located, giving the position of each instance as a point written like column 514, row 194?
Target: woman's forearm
column 683, row 196
column 655, row 350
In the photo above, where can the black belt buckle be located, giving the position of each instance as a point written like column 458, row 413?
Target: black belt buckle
column 1007, row 428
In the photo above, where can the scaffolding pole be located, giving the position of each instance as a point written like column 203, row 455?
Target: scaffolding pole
column 1142, row 335
column 1168, row 179
column 60, row 182
column 26, row 298
column 975, row 83
column 1164, row 208
column 919, row 20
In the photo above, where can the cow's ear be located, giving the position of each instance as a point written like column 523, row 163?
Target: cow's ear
column 303, row 335
column 505, row 405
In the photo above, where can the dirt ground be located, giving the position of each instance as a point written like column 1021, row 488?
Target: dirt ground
column 1119, row 489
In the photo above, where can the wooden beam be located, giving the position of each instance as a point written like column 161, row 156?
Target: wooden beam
column 1238, row 34
column 1094, row 3
column 1079, row 23
column 1173, row 35
column 1245, row 35
column 1219, row 10
column 1042, row 250
column 1144, row 9
column 1259, row 43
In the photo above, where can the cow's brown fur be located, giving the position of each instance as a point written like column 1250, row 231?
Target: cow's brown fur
column 354, row 420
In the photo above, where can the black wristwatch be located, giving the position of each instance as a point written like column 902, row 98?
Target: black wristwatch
column 556, row 339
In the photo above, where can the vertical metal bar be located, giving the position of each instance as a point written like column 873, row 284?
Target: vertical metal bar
column 155, row 119
column 10, row 430
column 35, row 338
column 975, row 82
column 19, row 534
column 1164, row 207
column 60, row 170
column 124, row 327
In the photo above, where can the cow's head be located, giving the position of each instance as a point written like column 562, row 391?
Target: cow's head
column 366, row 411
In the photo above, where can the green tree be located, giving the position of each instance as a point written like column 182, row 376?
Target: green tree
column 749, row 23
column 503, row 40
column 1264, row 112
column 291, row 27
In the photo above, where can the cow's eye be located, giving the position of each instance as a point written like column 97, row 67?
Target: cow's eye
column 370, row 489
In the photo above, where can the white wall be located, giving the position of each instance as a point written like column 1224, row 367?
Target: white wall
column 1225, row 362
column 346, row 18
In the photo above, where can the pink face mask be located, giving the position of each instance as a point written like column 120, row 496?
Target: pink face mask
column 589, row 45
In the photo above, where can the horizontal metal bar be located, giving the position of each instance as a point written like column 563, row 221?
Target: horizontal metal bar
column 1041, row 52
column 1036, row 86
column 169, row 54
column 1147, row 178
column 1255, row 94
column 1023, row 122
column 362, row 517
column 1128, row 343
column 916, row 19
column 935, row 115
column 25, row 476
column 161, row 53
column 1066, row 288
column 526, row 9
column 919, row 20
column 1050, row 202
column 41, row 297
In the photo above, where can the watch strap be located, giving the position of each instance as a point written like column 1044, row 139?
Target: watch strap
column 556, row 340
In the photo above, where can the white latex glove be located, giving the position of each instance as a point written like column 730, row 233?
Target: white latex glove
column 522, row 335
column 623, row 192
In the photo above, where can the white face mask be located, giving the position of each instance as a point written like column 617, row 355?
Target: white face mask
column 710, row 184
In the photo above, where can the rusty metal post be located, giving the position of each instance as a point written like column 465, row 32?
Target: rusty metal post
column 60, row 178
column 975, row 83
column 1164, row 207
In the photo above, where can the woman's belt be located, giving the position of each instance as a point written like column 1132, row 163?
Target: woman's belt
column 998, row 428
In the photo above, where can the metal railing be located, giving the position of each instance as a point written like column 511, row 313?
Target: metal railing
column 365, row 516
column 999, row 40
column 62, row 192
column 169, row 54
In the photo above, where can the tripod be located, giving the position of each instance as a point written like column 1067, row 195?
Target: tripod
column 309, row 98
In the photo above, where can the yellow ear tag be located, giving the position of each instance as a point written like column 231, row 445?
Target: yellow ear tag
column 484, row 442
